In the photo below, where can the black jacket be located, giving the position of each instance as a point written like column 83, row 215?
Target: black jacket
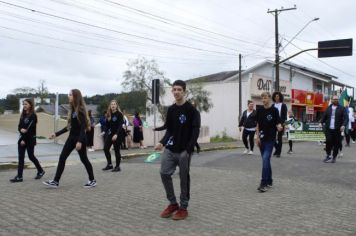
column 29, row 123
column 250, row 121
column 283, row 114
column 340, row 119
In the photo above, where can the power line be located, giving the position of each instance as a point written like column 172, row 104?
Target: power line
column 115, row 31
column 169, row 21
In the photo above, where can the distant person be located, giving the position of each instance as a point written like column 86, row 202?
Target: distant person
column 268, row 123
column 90, row 132
column 183, row 127
column 138, row 130
column 78, row 124
column 353, row 127
column 102, row 121
column 348, row 128
column 113, row 135
column 27, row 140
column 278, row 99
column 125, row 126
column 335, row 122
column 290, row 121
column 248, row 124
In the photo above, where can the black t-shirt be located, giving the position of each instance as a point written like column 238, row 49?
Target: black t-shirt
column 114, row 125
column 183, row 124
column 77, row 127
column 267, row 120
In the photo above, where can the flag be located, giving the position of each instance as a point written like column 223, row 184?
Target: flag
column 151, row 158
column 344, row 98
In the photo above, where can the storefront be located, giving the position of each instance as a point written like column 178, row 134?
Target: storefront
column 307, row 106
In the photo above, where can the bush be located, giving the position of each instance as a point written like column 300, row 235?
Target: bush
column 223, row 138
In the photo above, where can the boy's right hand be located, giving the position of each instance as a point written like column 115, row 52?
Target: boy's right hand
column 159, row 147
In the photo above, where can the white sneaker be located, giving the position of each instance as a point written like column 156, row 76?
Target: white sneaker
column 250, row 152
column 91, row 150
column 246, row 151
column 341, row 154
column 353, row 141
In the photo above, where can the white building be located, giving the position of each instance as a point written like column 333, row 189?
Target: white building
column 306, row 92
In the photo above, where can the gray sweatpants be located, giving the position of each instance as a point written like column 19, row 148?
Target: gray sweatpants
column 169, row 162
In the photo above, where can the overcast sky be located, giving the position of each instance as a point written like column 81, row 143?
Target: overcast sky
column 86, row 44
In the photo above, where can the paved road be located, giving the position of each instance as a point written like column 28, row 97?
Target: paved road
column 309, row 198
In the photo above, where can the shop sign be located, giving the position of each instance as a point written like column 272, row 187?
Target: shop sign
column 309, row 110
column 260, row 84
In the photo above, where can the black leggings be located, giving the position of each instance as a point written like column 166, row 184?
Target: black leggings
column 30, row 152
column 278, row 143
column 107, row 145
column 333, row 142
column 69, row 146
column 251, row 135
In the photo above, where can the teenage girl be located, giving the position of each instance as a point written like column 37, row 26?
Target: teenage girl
column 78, row 123
column 27, row 140
column 113, row 135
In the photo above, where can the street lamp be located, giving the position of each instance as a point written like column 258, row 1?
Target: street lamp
column 305, row 26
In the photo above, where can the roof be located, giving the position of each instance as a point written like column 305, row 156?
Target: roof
column 217, row 77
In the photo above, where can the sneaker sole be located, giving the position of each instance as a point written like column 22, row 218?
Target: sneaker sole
column 51, row 186
column 92, row 186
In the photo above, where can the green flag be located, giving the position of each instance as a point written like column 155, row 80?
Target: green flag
column 151, row 158
column 344, row 98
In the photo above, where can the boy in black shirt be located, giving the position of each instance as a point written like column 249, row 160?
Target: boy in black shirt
column 183, row 124
column 268, row 121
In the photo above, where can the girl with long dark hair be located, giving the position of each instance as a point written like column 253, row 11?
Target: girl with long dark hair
column 78, row 124
column 27, row 140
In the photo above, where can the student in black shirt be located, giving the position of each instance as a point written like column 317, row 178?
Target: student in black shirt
column 113, row 135
column 278, row 98
column 78, row 124
column 248, row 123
column 27, row 140
column 182, row 132
column 268, row 121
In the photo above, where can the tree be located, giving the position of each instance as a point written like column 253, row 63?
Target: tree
column 26, row 91
column 42, row 91
column 139, row 76
column 196, row 93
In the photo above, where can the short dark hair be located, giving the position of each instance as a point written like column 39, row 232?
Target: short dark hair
column 281, row 98
column 180, row 83
column 249, row 101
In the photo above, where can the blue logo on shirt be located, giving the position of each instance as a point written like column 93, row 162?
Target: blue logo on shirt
column 182, row 118
column 114, row 118
column 26, row 120
column 269, row 117
column 170, row 141
column 74, row 115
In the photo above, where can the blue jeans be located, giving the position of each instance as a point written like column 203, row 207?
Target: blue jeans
column 266, row 153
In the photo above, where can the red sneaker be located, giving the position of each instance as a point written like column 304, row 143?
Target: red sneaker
column 181, row 214
column 169, row 210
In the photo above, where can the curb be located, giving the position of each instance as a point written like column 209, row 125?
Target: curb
column 13, row 165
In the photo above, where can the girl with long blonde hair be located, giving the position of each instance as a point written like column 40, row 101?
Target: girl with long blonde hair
column 113, row 135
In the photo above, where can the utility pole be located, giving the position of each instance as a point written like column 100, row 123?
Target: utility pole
column 276, row 13
column 240, row 88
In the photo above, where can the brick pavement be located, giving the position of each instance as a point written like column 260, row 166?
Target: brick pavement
column 224, row 201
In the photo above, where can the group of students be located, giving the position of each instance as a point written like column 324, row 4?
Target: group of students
column 248, row 124
column 78, row 125
column 182, row 127
column 182, row 131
